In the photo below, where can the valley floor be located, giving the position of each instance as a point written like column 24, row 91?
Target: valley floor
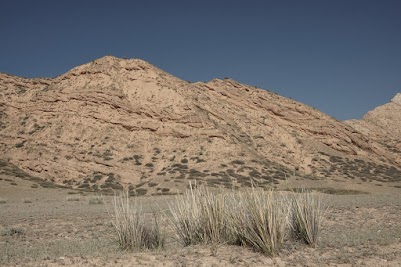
column 54, row 227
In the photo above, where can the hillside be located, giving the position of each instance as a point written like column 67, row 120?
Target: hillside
column 113, row 123
column 383, row 125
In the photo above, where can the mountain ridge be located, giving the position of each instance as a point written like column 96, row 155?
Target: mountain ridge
column 114, row 123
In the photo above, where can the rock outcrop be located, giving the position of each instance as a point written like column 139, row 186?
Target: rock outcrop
column 116, row 123
column 383, row 125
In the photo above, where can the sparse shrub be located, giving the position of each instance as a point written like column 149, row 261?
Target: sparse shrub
column 134, row 232
column 307, row 216
column 141, row 191
column 26, row 200
column 95, row 200
column 96, row 177
column 19, row 145
column 73, row 198
column 3, row 201
column 13, row 231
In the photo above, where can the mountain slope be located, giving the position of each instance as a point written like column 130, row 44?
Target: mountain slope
column 114, row 122
column 383, row 124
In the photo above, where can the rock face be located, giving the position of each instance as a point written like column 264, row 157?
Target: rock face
column 383, row 125
column 116, row 123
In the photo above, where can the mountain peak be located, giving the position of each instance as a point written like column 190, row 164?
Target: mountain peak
column 112, row 64
column 112, row 59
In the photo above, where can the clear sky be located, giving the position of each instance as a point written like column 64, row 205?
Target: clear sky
column 342, row 57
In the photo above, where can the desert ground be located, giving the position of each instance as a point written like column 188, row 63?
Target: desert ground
column 45, row 226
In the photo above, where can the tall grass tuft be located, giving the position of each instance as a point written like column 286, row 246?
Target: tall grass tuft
column 135, row 230
column 198, row 217
column 307, row 216
column 260, row 220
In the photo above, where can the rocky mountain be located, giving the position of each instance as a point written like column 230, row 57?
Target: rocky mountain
column 383, row 125
column 115, row 123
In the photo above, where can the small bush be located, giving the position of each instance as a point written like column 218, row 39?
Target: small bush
column 3, row 201
column 95, row 200
column 307, row 216
column 152, row 184
column 134, row 231
column 13, row 231
column 73, row 198
column 149, row 165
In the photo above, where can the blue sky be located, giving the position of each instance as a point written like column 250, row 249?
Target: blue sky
column 342, row 57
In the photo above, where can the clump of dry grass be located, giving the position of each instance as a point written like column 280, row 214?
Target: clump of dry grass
column 135, row 230
column 307, row 216
column 199, row 216
column 260, row 219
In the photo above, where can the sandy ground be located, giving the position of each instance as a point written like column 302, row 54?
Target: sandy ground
column 59, row 227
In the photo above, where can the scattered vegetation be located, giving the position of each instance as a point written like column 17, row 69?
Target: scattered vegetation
column 111, row 182
column 330, row 191
column 366, row 170
column 3, row 201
